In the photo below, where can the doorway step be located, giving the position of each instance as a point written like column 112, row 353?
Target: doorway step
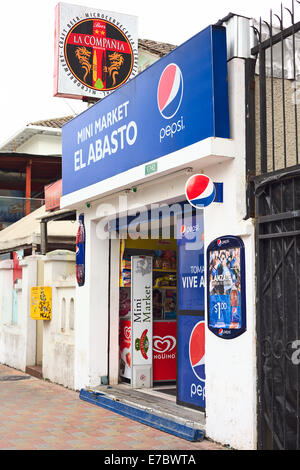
column 150, row 408
column 35, row 371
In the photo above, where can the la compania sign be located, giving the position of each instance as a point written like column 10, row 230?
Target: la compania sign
column 96, row 51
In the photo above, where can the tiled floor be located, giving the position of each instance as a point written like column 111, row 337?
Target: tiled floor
column 35, row 414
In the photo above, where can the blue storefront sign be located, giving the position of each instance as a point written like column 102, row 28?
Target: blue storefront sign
column 190, row 311
column 226, row 299
column 178, row 101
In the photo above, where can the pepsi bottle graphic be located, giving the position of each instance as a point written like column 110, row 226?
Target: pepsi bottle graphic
column 80, row 252
column 234, row 303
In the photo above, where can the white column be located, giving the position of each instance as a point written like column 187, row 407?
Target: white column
column 91, row 322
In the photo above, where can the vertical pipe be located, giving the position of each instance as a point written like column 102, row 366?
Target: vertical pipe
column 272, row 91
column 263, row 108
column 28, row 187
column 295, row 81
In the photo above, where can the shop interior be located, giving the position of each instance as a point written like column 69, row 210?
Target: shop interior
column 164, row 294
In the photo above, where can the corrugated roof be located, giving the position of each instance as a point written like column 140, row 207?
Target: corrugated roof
column 53, row 122
column 160, row 48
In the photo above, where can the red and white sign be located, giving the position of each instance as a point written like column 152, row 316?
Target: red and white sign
column 96, row 51
column 164, row 351
column 125, row 348
column 53, row 194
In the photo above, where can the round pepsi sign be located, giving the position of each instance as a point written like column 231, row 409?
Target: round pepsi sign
column 197, row 350
column 170, row 91
column 200, row 191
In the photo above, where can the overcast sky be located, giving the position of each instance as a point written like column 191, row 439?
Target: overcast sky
column 27, row 44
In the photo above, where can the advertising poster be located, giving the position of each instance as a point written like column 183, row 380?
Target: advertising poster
column 190, row 241
column 141, row 321
column 95, row 51
column 226, row 281
column 125, row 348
column 191, row 361
column 164, row 351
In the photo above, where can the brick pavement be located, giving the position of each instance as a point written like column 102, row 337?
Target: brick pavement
column 39, row 415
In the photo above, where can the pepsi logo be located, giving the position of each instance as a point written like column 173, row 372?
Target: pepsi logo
column 163, row 345
column 219, row 242
column 221, row 332
column 170, row 91
column 197, row 350
column 200, row 191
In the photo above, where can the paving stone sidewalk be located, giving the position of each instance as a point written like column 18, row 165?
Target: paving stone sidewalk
column 38, row 415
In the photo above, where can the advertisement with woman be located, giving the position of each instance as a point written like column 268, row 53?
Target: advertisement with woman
column 226, row 276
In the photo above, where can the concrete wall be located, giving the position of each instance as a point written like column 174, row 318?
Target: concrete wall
column 17, row 340
column 292, row 95
column 58, row 333
column 230, row 365
column 42, row 145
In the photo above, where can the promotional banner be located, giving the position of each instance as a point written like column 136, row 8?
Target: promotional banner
column 125, row 348
column 96, row 51
column 141, row 321
column 191, row 361
column 178, row 101
column 164, row 351
column 226, row 287
column 190, row 243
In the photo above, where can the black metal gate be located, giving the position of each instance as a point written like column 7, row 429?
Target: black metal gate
column 278, row 311
column 275, row 191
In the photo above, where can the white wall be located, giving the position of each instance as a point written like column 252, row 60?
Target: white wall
column 17, row 341
column 58, row 333
column 230, row 365
column 42, row 145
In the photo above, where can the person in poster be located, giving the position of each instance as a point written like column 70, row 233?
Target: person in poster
column 225, row 288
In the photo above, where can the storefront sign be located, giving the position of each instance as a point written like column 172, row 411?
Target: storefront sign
column 226, row 287
column 53, row 193
column 191, row 285
column 164, row 351
column 191, row 361
column 180, row 100
column 141, row 321
column 41, row 303
column 95, row 51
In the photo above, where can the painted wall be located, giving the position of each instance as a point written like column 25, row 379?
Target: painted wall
column 17, row 340
column 42, row 145
column 58, row 333
column 230, row 365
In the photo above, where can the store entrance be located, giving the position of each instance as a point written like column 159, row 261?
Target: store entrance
column 164, row 300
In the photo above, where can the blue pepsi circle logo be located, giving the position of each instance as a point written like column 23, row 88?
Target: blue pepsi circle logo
column 197, row 350
column 200, row 191
column 170, row 91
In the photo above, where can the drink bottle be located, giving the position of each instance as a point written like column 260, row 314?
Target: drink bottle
column 234, row 303
column 80, row 252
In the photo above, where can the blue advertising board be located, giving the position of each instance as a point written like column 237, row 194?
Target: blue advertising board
column 190, row 311
column 178, row 101
column 191, row 361
column 226, row 301
column 190, row 271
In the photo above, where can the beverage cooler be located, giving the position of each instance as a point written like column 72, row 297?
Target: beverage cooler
column 164, row 275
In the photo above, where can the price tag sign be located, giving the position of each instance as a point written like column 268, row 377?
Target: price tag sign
column 226, row 287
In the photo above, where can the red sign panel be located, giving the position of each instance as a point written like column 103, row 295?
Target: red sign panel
column 164, row 351
column 53, row 193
